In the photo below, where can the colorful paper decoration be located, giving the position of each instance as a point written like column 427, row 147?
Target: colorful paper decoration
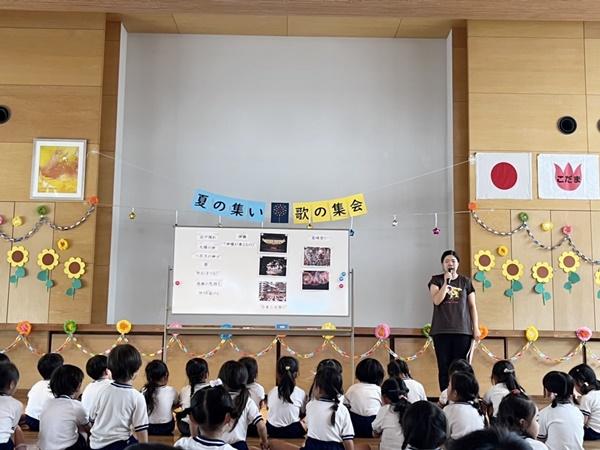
column 568, row 176
column 328, row 326
column 512, row 270
column 280, row 212
column 523, row 216
column 426, row 330
column 132, row 214
column 597, row 281
column 1, row 219
column 74, row 269
column 329, row 210
column 584, row 334
column 547, row 226
column 42, row 210
column 123, row 327
column 47, row 259
column 472, row 206
column 502, row 250
column 532, row 334
column 503, row 175
column 569, row 262
column 484, row 261
column 70, row 327
column 567, row 230
column 62, row 244
column 226, row 336
column 17, row 257
column 382, row 331
column 24, row 328
column 542, row 272
column 483, row 332
column 17, row 221
column 233, row 208
column 93, row 200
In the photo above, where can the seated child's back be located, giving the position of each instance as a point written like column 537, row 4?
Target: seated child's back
column 97, row 369
column 40, row 392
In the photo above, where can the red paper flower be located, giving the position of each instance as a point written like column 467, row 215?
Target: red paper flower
column 93, row 200
column 382, row 331
column 24, row 328
column 584, row 334
column 483, row 330
column 567, row 229
column 472, row 206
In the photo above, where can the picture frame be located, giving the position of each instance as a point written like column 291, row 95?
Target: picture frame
column 58, row 169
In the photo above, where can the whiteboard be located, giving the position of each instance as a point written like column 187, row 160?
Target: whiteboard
column 266, row 271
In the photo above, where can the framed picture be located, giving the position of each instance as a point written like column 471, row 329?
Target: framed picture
column 58, row 169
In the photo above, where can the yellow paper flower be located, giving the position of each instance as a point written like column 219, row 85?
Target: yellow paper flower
column 123, row 326
column 17, row 221
column 512, row 269
column 484, row 260
column 24, row 328
column 502, row 250
column 62, row 244
column 568, row 262
column 47, row 259
column 17, row 256
column 328, row 326
column 597, row 277
column 542, row 272
column 532, row 334
column 74, row 267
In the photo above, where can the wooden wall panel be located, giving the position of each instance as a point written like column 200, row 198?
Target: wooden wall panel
column 531, row 29
column 15, row 168
column 343, row 26
column 25, row 361
column 52, row 20
column 231, row 24
column 482, row 364
column 100, row 294
column 592, row 66
column 7, row 210
column 593, row 118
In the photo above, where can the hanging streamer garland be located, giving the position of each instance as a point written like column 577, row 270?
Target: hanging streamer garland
column 542, row 272
column 484, row 261
column 428, row 342
column 258, row 354
column 512, row 270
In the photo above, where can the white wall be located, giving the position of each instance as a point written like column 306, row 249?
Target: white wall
column 284, row 119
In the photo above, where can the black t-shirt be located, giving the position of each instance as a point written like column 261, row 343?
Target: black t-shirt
column 452, row 316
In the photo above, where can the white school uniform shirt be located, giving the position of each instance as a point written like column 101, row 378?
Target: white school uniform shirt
column 165, row 399
column 185, row 397
column 495, row 395
column 561, row 428
column 10, row 413
column 462, row 419
column 281, row 413
column 88, row 398
column 59, row 423
column 589, row 404
column 250, row 415
column 416, row 391
column 387, row 423
column 318, row 415
column 535, row 444
column 257, row 393
column 363, row 399
column 202, row 443
column 119, row 408
column 37, row 396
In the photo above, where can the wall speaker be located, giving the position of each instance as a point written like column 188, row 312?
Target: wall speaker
column 567, row 125
column 4, row 114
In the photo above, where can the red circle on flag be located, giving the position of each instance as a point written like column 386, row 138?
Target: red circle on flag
column 504, row 175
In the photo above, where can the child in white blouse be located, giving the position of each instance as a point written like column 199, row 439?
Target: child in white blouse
column 196, row 370
column 388, row 422
column 399, row 369
column 504, row 380
column 11, row 409
column 97, row 369
column 466, row 413
column 40, row 392
column 364, row 398
column 518, row 413
column 588, row 387
column 161, row 399
column 286, row 402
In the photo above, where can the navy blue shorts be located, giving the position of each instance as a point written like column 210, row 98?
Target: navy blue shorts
column 362, row 425
column 292, row 431
column 315, row 444
column 590, row 435
column 161, row 429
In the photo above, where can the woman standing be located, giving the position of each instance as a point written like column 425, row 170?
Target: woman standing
column 455, row 323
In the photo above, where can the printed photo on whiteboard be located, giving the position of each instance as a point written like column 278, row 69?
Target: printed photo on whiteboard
column 272, row 265
column 317, row 256
column 315, row 280
column 271, row 291
column 273, row 243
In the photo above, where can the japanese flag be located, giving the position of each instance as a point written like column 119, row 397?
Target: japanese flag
column 568, row 176
column 503, row 175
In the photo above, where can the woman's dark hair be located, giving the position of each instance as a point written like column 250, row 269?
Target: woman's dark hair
column 397, row 368
column 329, row 382
column 196, row 370
column 460, row 365
column 65, row 380
column 449, row 253
column 585, row 377
column 8, row 374
column 396, row 391
column 96, row 366
column 467, row 390
column 513, row 408
column 561, row 385
column 4, row 358
column 156, row 371
column 369, row 370
column 252, row 368
column 209, row 406
column 423, row 425
column 504, row 372
column 328, row 362
column 234, row 376
column 287, row 371
column 123, row 362
column 490, row 439
column 48, row 363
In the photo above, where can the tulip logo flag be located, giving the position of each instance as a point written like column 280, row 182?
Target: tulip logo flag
column 503, row 175
column 574, row 177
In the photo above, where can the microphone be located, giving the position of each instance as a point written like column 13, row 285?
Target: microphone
column 449, row 275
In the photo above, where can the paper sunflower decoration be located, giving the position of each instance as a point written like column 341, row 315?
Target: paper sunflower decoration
column 382, row 331
column 484, row 261
column 123, row 326
column 328, row 326
column 532, row 334
column 17, row 257
column 74, row 269
column 584, row 334
column 569, row 262
column 597, row 281
column 47, row 259
column 70, row 327
column 512, row 270
column 24, row 328
column 542, row 272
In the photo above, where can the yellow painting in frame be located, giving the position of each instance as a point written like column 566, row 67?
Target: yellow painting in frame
column 58, row 169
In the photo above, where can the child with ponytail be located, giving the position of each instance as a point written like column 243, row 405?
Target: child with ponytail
column 561, row 423
column 196, row 370
column 504, row 380
column 518, row 414
column 399, row 369
column 588, row 386
column 160, row 398
column 286, row 402
column 465, row 413
column 388, row 422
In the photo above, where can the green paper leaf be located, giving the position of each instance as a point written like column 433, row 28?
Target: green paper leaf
column 49, row 284
column 479, row 276
column 20, row 272
column 43, row 275
column 76, row 283
column 546, row 296
column 598, row 294
column 508, row 293
column 517, row 286
column 568, row 286
column 70, row 292
column 487, row 283
column 574, row 277
column 13, row 279
column 539, row 288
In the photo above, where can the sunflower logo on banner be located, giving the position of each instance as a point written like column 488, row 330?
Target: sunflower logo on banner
column 484, row 261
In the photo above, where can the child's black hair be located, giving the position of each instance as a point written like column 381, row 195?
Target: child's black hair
column 460, row 365
column 585, row 377
column 123, row 362
column 48, row 363
column 251, row 367
column 395, row 391
column 561, row 385
column 490, row 439
column 397, row 368
column 287, row 371
column 96, row 366
column 209, row 407
column 156, row 371
column 449, row 253
column 65, row 380
column 467, row 390
column 328, row 362
column 329, row 382
column 514, row 407
column 196, row 370
column 424, row 426
column 504, row 372
column 4, row 358
column 234, row 376
column 8, row 374
column 369, row 370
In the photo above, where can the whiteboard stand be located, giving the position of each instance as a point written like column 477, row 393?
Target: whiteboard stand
column 351, row 276
column 166, row 324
